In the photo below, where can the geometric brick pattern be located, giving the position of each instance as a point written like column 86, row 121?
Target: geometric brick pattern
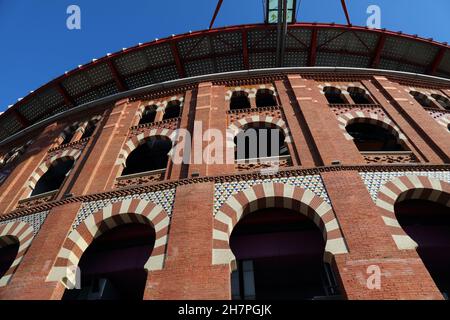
column 71, row 154
column 371, row 118
column 124, row 212
column 164, row 198
column 278, row 195
column 374, row 180
column 409, row 187
column 10, row 233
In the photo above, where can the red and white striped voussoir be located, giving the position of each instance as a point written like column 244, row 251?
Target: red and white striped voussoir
column 409, row 187
column 367, row 117
column 444, row 120
column 126, row 211
column 140, row 139
column 10, row 233
column 43, row 168
column 279, row 195
column 238, row 125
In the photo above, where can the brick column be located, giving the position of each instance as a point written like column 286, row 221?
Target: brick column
column 14, row 187
column 100, row 171
column 188, row 272
column 328, row 139
column 403, row 274
column 303, row 151
column 424, row 126
column 28, row 282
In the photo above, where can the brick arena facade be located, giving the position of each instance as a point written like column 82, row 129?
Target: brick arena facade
column 351, row 195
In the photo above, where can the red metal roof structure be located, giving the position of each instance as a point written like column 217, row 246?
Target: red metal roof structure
column 227, row 49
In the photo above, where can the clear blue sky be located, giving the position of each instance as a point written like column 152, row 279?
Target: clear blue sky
column 36, row 46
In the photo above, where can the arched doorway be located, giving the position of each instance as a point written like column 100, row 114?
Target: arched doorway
column 54, row 177
column 279, row 255
column 150, row 156
column 428, row 224
column 112, row 267
column 9, row 247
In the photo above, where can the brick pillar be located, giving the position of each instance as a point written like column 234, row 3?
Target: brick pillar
column 423, row 126
column 14, row 188
column 302, row 151
column 28, row 282
column 100, row 171
column 322, row 124
column 403, row 274
column 210, row 113
column 188, row 271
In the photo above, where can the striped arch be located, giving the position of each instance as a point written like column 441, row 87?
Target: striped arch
column 444, row 121
column 10, row 233
column 82, row 127
column 279, row 195
column 372, row 118
column 73, row 154
column 238, row 125
column 409, row 187
column 140, row 139
column 127, row 211
column 160, row 104
column 251, row 92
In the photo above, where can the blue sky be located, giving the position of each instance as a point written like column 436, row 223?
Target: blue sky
column 36, row 46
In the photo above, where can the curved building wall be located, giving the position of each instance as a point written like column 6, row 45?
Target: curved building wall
column 194, row 207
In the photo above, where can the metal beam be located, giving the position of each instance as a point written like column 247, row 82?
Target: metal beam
column 436, row 61
column 347, row 16
column 377, row 54
column 121, row 86
column 313, row 49
column 67, row 98
column 178, row 63
column 219, row 4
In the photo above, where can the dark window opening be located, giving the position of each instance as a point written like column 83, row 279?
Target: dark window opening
column 334, row 96
column 279, row 254
column 239, row 100
column 68, row 134
column 112, row 267
column 260, row 142
column 150, row 156
column 443, row 101
column 265, row 98
column 428, row 224
column 89, row 130
column 54, row 177
column 8, row 254
column 149, row 115
column 172, row 110
column 422, row 99
column 371, row 137
column 359, row 96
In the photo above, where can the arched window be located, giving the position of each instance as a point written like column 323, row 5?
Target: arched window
column 422, row 99
column 12, row 155
column 148, row 115
column 259, row 140
column 265, row 98
column 9, row 247
column 112, row 267
column 359, row 96
column 334, row 95
column 279, row 255
column 172, row 110
column 90, row 128
column 239, row 100
column 54, row 177
column 150, row 156
column 68, row 133
column 428, row 224
column 443, row 101
column 372, row 137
